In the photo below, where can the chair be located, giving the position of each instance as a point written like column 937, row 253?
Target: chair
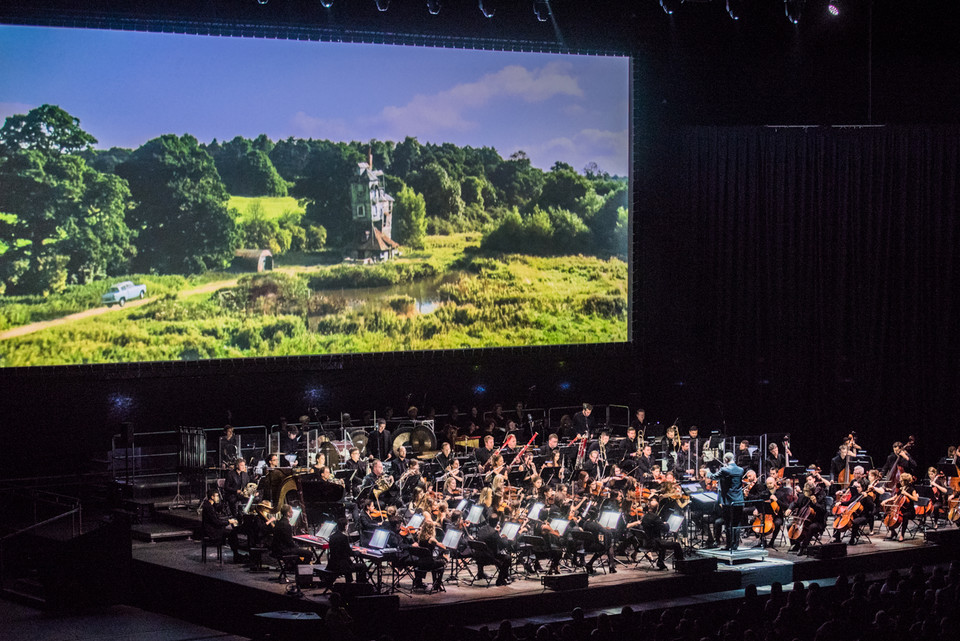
column 288, row 563
column 482, row 553
column 256, row 559
column 460, row 561
column 207, row 541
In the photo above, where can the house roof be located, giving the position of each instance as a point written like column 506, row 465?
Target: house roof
column 252, row 253
column 378, row 242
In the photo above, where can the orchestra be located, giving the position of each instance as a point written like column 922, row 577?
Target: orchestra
column 584, row 497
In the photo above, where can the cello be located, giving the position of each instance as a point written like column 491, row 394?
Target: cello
column 763, row 524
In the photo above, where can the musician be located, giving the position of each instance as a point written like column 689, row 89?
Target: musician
column 604, row 545
column 601, row 446
column 234, row 486
column 370, row 519
column 229, row 447
column 592, row 465
column 427, row 540
column 632, row 450
column 686, row 462
column 444, row 457
column 814, row 514
column 529, row 468
column 873, row 488
column 841, row 462
column 670, row 445
column 939, row 491
column 484, row 453
column 639, row 423
column 340, row 555
column 654, row 528
column 771, row 501
column 409, row 480
column 856, row 496
column 646, row 463
column 730, row 478
column 552, row 445
column 358, row 466
column 489, row 534
column 509, row 446
column 553, row 468
column 899, row 457
column 908, row 496
column 290, row 444
column 379, row 442
column 218, row 528
column 775, row 459
column 400, row 463
column 745, row 459
column 273, row 461
column 283, row 542
column 582, row 422
column 450, row 489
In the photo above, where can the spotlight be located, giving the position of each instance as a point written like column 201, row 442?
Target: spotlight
column 262, row 1
column 541, row 8
column 433, row 6
column 383, row 5
column 833, row 9
column 326, row 4
column 487, row 8
column 669, row 6
column 792, row 9
column 735, row 9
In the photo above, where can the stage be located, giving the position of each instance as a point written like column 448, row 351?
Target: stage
column 169, row 577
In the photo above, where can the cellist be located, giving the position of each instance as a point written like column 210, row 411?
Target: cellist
column 772, row 499
column 904, row 501
column 812, row 513
column 866, row 507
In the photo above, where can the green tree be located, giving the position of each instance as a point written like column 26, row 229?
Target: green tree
column 471, row 189
column 59, row 218
column 564, row 188
column 517, row 181
column 407, row 157
column 440, row 192
column 409, row 218
column 181, row 207
column 325, row 187
column 608, row 225
column 246, row 169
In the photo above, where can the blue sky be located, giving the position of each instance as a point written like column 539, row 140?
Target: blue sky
column 129, row 87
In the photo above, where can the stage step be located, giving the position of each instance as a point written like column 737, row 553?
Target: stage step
column 741, row 555
column 155, row 532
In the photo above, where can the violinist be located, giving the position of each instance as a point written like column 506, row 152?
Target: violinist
column 450, row 489
column 872, row 489
column 809, row 515
column 370, row 519
column 751, row 491
column 904, row 501
column 427, row 540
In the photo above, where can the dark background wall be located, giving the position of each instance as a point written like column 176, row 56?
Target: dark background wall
column 692, row 355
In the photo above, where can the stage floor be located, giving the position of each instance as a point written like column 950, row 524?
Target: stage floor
column 526, row 595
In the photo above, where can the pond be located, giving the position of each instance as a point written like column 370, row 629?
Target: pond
column 425, row 294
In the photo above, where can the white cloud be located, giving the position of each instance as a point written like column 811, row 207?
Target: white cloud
column 445, row 110
column 12, row 108
column 309, row 126
column 609, row 149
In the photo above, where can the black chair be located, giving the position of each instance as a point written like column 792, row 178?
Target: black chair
column 206, row 542
column 482, row 554
column 422, row 561
column 460, row 562
column 288, row 564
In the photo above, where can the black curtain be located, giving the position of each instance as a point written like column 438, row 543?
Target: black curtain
column 805, row 279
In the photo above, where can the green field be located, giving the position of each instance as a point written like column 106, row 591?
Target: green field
column 481, row 301
column 273, row 207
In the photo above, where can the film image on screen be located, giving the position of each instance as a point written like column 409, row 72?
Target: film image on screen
column 173, row 197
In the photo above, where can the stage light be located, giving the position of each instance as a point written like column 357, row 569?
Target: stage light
column 262, row 1
column 326, row 4
column 669, row 6
column 383, row 5
column 564, row 386
column 541, row 8
column 479, row 390
column 433, row 6
column 793, row 9
column 833, row 9
column 487, row 8
column 735, row 9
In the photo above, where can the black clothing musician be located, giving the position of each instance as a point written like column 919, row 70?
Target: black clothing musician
column 906, row 498
column 730, row 478
column 484, row 453
column 582, row 421
column 218, row 528
column 283, row 542
column 775, row 459
column 229, row 447
column 547, row 449
column 356, row 465
column 856, row 497
column 497, row 555
column 604, row 545
column 899, row 457
column 646, row 463
column 745, row 459
column 234, row 486
column 841, row 463
column 813, row 513
column 631, row 450
column 639, row 423
column 653, row 529
column 444, row 457
column 400, row 463
column 290, row 443
column 592, row 465
column 770, row 500
column 370, row 520
column 428, row 543
column 379, row 442
column 340, row 555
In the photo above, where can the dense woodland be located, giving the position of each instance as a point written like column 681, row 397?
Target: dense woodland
column 71, row 214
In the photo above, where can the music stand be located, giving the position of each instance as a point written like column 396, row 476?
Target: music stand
column 534, row 513
column 475, row 515
column 510, row 530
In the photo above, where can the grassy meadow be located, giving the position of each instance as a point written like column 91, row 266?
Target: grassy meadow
column 273, row 207
column 483, row 301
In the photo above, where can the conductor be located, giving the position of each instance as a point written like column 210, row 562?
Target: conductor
column 730, row 477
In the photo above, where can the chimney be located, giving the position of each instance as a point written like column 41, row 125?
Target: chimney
column 370, row 157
